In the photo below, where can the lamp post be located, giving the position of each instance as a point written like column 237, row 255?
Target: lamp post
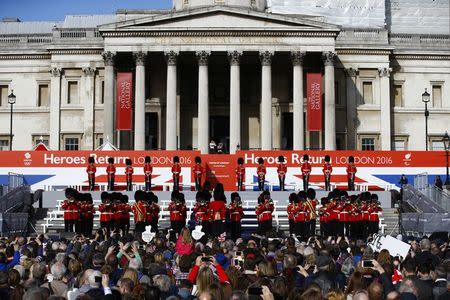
column 446, row 141
column 426, row 99
column 11, row 101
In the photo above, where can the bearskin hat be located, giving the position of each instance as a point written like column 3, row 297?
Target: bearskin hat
column 175, row 196
column 234, row 196
column 351, row 159
column 374, row 197
column 148, row 197
column 154, row 198
column 176, row 159
column 181, row 198
column 110, row 160
column 306, row 157
column 302, row 195
column 311, row 193
column 292, row 197
column 199, row 196
column 266, row 194
column 91, row 159
column 104, row 196
column 124, row 199
column 281, row 158
column 198, row 160
column 139, row 195
column 327, row 158
column 128, row 162
column 89, row 198
column 260, row 160
column 324, row 201
column 70, row 192
column 240, row 161
column 148, row 159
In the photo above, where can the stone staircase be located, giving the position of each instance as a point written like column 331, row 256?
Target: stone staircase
column 390, row 216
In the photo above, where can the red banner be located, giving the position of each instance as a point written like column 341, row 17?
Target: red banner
column 124, row 100
column 314, row 101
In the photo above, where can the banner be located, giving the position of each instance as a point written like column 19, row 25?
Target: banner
column 124, row 103
column 314, row 101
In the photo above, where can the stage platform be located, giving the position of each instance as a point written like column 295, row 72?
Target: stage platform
column 50, row 198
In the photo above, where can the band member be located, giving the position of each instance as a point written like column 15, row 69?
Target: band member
column 311, row 203
column 343, row 217
column 293, row 199
column 264, row 213
column 351, row 171
column 236, row 213
column 198, row 173
column 365, row 214
column 327, row 170
column 111, row 172
column 117, row 210
column 261, row 172
column 125, row 217
column 374, row 218
column 140, row 212
column 217, row 211
column 148, row 170
column 90, row 170
column 240, row 174
column 129, row 174
column 80, row 220
column 306, row 171
column 70, row 207
column 356, row 229
column 177, row 211
column 106, row 211
column 176, row 170
column 333, row 215
column 323, row 217
column 154, row 208
column 300, row 219
column 201, row 212
column 89, row 212
column 281, row 170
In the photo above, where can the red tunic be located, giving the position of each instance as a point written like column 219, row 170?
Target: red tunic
column 236, row 212
column 240, row 172
column 261, row 171
column 324, row 215
column 117, row 211
column 264, row 211
column 201, row 212
column 149, row 214
column 351, row 171
column 140, row 211
column 198, row 171
column 88, row 210
column 126, row 208
column 327, row 169
column 177, row 211
column 332, row 211
column 106, row 212
column 176, row 170
column 281, row 170
column 306, row 168
column 365, row 212
column 111, row 171
column 344, row 213
column 129, row 173
column 290, row 211
column 373, row 217
column 311, row 204
column 217, row 210
column 71, row 210
column 301, row 211
column 91, row 169
column 155, row 211
column 148, row 170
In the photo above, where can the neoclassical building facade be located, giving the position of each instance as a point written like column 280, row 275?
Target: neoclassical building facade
column 225, row 70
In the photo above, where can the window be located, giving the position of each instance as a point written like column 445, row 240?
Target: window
column 398, row 95
column 4, row 144
column 102, row 92
column 71, row 143
column 3, row 95
column 72, row 92
column 98, row 140
column 41, row 138
column 43, row 95
column 367, row 92
column 400, row 143
column 436, row 144
column 368, row 144
column 437, row 95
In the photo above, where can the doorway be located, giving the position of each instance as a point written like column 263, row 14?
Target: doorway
column 287, row 131
column 219, row 130
column 151, row 131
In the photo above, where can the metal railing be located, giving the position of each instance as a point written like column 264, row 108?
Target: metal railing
column 438, row 196
column 421, row 181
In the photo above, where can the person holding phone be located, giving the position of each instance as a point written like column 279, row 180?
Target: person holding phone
column 202, row 275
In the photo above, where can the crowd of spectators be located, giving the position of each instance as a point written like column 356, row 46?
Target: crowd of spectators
column 120, row 266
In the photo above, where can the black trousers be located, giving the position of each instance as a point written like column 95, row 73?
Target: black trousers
column 91, row 183
column 148, row 184
column 154, row 224
column 312, row 227
column 68, row 225
column 110, row 184
column 305, row 182
column 176, row 183
column 240, row 187
column 177, row 226
column 198, row 184
column 291, row 227
column 281, row 180
column 327, row 183
column 261, row 184
column 333, row 227
column 324, row 228
column 217, row 228
column 235, row 230
column 80, row 225
column 373, row 227
column 349, row 229
column 301, row 230
column 264, row 227
column 89, row 226
column 364, row 229
column 129, row 185
column 351, row 184
column 139, row 227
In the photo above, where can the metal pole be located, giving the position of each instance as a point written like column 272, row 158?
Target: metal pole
column 10, row 129
column 447, row 179
column 426, row 126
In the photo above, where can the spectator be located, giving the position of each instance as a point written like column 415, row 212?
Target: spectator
column 425, row 256
column 7, row 263
column 185, row 244
column 438, row 182
column 440, row 285
column 324, row 278
column 57, row 286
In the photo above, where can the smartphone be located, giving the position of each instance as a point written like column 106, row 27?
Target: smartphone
column 236, row 262
column 98, row 279
column 255, row 291
column 206, row 259
column 238, row 253
column 367, row 264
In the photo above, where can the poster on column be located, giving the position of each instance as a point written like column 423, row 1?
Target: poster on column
column 124, row 103
column 314, row 101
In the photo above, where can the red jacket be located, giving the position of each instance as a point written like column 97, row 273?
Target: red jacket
column 198, row 171
column 176, row 170
column 236, row 212
column 345, row 213
column 106, row 212
column 333, row 211
column 327, row 169
column 261, row 171
column 373, row 217
column 217, row 210
column 351, row 171
column 311, row 204
column 177, row 211
column 140, row 211
column 201, row 212
column 88, row 210
column 301, row 211
column 91, row 169
column 264, row 211
column 281, row 170
column 323, row 214
column 117, row 211
column 129, row 173
column 223, row 278
column 365, row 211
column 71, row 210
column 148, row 170
column 306, row 168
column 291, row 211
column 111, row 171
column 240, row 172
column 155, row 211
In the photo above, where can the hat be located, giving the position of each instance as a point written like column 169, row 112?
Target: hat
column 327, row 158
column 240, row 161
column 260, row 160
column 91, row 159
column 351, row 159
column 156, row 269
column 176, row 159
column 110, row 160
column 222, row 260
column 147, row 159
column 167, row 255
column 128, row 162
column 306, row 157
column 198, row 160
column 323, row 261
column 281, row 158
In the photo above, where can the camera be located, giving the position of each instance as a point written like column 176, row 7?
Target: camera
column 367, row 264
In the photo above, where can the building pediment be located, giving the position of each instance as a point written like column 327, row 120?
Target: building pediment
column 220, row 18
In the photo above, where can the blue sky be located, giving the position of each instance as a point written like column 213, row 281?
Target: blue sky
column 55, row 10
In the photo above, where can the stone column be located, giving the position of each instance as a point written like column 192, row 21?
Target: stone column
column 299, row 130
column 88, row 98
column 266, row 100
column 171, row 102
column 235, row 100
column 351, row 91
column 55, row 108
column 385, row 106
column 108, row 105
column 330, row 103
column 139, row 106
column 203, row 101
